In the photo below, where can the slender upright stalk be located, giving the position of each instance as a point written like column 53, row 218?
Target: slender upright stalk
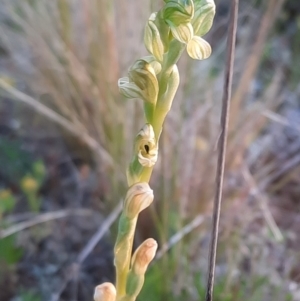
column 222, row 147
column 179, row 25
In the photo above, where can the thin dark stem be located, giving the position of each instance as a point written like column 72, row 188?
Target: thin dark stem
column 222, row 147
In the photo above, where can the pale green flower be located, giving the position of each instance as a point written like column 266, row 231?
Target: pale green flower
column 198, row 48
column 145, row 146
column 178, row 14
column 141, row 81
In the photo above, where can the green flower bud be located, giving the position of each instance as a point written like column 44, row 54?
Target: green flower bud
column 183, row 32
column 145, row 146
column 142, row 82
column 153, row 40
column 177, row 12
column 139, row 196
column 105, row 292
column 198, row 48
column 143, row 75
column 203, row 18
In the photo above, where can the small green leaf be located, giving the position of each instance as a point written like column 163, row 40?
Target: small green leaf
column 198, row 48
column 9, row 252
column 39, row 171
column 7, row 201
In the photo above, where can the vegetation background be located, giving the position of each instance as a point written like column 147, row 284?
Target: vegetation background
column 66, row 138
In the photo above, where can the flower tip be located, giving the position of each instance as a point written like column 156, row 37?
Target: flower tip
column 105, row 292
column 139, row 196
column 144, row 255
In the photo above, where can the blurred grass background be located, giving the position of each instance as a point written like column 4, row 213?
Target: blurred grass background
column 66, row 138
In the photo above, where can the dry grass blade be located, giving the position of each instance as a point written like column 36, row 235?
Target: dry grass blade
column 196, row 222
column 279, row 119
column 99, row 234
column 52, row 115
column 222, row 146
column 254, row 58
column 42, row 218
column 256, row 193
column 74, row 268
column 289, row 165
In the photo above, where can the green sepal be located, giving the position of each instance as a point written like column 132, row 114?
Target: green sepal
column 134, row 284
column 143, row 75
column 183, row 32
column 178, row 12
column 129, row 89
column 164, row 30
column 203, row 18
column 153, row 40
column 144, row 86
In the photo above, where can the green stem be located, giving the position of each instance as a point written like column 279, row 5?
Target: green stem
column 123, row 250
column 168, row 83
column 171, row 57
